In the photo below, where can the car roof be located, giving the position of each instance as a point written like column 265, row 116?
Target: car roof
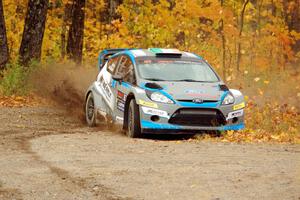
column 151, row 52
column 155, row 52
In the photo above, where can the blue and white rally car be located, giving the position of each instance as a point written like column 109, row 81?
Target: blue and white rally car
column 161, row 91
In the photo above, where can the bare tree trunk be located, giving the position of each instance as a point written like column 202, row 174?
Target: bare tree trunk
column 66, row 23
column 259, row 16
column 292, row 19
column 33, row 33
column 109, row 12
column 223, row 44
column 4, row 55
column 75, row 36
column 240, row 35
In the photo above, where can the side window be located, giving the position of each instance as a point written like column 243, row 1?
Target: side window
column 111, row 65
column 126, row 70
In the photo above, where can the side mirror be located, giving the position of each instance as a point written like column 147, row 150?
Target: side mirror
column 117, row 77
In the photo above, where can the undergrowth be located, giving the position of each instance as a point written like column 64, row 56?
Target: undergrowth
column 272, row 122
column 14, row 79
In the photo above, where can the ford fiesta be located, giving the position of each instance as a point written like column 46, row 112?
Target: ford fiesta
column 161, row 91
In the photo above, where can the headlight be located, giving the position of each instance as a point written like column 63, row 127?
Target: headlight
column 229, row 99
column 158, row 97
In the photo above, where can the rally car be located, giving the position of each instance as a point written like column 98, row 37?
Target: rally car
column 161, row 91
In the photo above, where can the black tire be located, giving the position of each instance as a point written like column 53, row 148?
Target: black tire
column 133, row 126
column 90, row 111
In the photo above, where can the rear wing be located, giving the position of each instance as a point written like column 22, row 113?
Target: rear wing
column 105, row 55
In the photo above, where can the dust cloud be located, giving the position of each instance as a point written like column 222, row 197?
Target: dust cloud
column 64, row 85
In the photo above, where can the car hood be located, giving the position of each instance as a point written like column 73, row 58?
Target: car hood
column 192, row 90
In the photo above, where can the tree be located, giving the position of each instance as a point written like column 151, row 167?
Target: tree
column 75, row 36
column 66, row 23
column 240, row 35
column 221, row 32
column 3, row 40
column 109, row 12
column 291, row 12
column 33, row 33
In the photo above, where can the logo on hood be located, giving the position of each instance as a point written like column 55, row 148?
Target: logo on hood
column 198, row 100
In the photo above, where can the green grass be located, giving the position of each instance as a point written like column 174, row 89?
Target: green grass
column 14, row 79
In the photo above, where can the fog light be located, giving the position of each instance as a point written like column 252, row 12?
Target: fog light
column 154, row 118
column 234, row 120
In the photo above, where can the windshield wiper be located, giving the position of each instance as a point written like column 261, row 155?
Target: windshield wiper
column 154, row 79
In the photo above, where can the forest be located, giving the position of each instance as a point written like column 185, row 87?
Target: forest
column 253, row 44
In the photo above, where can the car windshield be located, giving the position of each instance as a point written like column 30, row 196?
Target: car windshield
column 172, row 70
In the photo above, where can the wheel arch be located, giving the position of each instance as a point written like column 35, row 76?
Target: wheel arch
column 130, row 96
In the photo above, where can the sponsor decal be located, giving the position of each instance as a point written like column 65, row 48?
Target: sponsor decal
column 165, row 61
column 152, row 111
column 148, row 104
column 200, row 93
column 120, row 105
column 121, row 98
column 239, row 106
column 138, row 53
column 106, row 89
column 235, row 114
column 189, row 92
column 168, row 61
column 159, row 50
column 121, row 95
column 120, row 119
column 147, row 61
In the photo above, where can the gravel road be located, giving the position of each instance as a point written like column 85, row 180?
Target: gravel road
column 46, row 154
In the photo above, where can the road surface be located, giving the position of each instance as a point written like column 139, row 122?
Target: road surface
column 47, row 154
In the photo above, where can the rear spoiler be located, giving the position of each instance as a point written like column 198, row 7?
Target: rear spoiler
column 106, row 54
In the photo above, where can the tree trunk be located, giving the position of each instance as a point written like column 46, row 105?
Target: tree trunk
column 75, row 36
column 223, row 44
column 33, row 33
column 66, row 23
column 240, row 35
column 109, row 12
column 3, row 40
column 292, row 19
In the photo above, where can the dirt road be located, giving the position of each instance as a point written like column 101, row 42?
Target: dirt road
column 45, row 154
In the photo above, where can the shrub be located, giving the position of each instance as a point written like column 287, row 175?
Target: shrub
column 14, row 79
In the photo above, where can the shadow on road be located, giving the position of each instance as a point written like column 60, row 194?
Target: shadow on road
column 169, row 137
column 183, row 136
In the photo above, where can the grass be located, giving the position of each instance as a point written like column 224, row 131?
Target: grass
column 14, row 79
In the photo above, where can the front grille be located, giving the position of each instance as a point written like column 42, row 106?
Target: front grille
column 191, row 100
column 197, row 117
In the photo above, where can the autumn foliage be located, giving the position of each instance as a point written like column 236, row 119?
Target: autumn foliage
column 244, row 40
column 269, row 38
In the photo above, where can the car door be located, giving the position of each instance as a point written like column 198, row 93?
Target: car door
column 106, row 83
column 125, row 69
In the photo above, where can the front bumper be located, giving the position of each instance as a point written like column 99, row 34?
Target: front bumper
column 163, row 125
column 152, row 127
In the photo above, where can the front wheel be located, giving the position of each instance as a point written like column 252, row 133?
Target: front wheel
column 90, row 111
column 134, row 126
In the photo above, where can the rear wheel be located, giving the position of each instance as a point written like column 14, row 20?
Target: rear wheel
column 134, row 126
column 90, row 111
